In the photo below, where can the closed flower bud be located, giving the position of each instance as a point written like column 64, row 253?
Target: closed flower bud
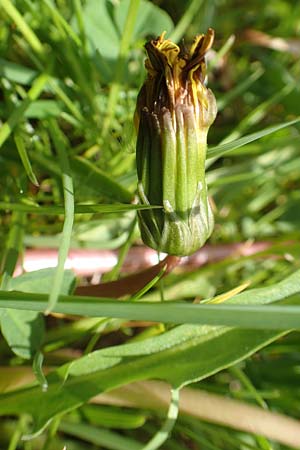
column 174, row 112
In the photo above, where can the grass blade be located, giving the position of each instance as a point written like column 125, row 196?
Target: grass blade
column 239, row 89
column 186, row 19
column 69, row 214
column 13, row 247
column 25, row 29
column 220, row 150
column 79, row 209
column 122, row 60
column 18, row 114
column 243, row 316
column 25, row 159
column 100, row 437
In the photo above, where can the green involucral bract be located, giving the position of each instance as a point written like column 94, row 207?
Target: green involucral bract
column 174, row 112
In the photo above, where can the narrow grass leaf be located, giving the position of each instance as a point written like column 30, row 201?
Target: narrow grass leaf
column 99, row 437
column 60, row 20
column 121, row 64
column 79, row 209
column 72, row 107
column 221, row 53
column 248, row 309
column 23, row 26
column 13, row 247
column 89, row 174
column 239, row 89
column 220, row 150
column 67, row 182
column 18, row 114
column 25, row 159
column 243, row 316
column 258, row 113
column 185, row 20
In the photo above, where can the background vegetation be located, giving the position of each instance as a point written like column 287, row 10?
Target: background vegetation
column 70, row 72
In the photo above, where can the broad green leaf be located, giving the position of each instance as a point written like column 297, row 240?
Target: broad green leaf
column 41, row 280
column 42, row 109
column 16, row 72
column 194, row 352
column 151, row 20
column 104, row 23
column 24, row 330
column 200, row 352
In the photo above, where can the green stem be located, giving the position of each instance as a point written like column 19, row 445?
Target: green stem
column 162, row 435
column 52, row 432
column 19, row 430
column 148, row 286
column 114, row 273
column 238, row 373
column 242, row 377
column 37, row 368
column 221, row 53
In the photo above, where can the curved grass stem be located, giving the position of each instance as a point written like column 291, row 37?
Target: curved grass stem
column 162, row 435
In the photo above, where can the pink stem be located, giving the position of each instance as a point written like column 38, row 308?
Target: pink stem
column 89, row 262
